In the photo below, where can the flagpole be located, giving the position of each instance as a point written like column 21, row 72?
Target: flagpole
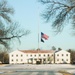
column 38, row 37
column 38, row 44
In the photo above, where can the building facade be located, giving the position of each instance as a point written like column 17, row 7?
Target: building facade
column 43, row 56
column 62, row 56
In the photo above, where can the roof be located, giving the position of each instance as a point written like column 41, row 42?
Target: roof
column 62, row 51
column 36, row 51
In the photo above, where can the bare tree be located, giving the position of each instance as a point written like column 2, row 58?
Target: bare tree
column 8, row 29
column 59, row 49
column 4, row 57
column 72, row 53
column 61, row 11
column 10, row 33
column 5, row 12
column 53, row 48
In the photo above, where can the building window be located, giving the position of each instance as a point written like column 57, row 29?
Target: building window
column 52, row 54
column 48, row 55
column 35, row 55
column 12, row 60
column 21, row 55
column 31, row 55
column 66, row 54
column 12, row 55
column 16, row 55
column 39, row 55
column 57, row 59
column 62, row 60
column 21, row 59
column 16, row 59
column 62, row 55
column 57, row 54
column 35, row 59
column 44, row 55
column 66, row 59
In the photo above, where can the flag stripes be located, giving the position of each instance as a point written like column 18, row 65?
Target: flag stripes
column 44, row 36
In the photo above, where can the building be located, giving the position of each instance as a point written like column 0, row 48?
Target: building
column 62, row 56
column 43, row 56
column 31, row 56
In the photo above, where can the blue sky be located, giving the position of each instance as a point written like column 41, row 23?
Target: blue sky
column 28, row 14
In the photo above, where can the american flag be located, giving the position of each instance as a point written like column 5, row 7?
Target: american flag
column 44, row 36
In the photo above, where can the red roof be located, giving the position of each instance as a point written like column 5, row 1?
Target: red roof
column 36, row 51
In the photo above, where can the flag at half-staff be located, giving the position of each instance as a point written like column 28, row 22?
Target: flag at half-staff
column 44, row 36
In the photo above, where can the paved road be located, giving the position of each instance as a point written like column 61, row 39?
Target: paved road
column 29, row 73
column 30, row 69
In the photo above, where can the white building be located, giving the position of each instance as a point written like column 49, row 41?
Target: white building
column 43, row 56
column 62, row 56
column 30, row 56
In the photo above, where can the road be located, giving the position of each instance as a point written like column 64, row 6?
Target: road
column 29, row 73
column 30, row 69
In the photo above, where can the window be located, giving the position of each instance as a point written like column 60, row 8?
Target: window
column 66, row 59
column 21, row 55
column 57, row 59
column 66, row 54
column 39, row 55
column 12, row 55
column 35, row 55
column 57, row 54
column 21, row 59
column 52, row 54
column 35, row 59
column 62, row 60
column 16, row 55
column 27, row 55
column 31, row 55
column 48, row 55
column 16, row 59
column 44, row 55
column 62, row 55
column 12, row 60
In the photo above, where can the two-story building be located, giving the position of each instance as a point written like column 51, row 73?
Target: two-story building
column 44, row 56
column 62, row 56
column 30, row 56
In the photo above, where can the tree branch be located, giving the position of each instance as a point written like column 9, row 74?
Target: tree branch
column 14, row 36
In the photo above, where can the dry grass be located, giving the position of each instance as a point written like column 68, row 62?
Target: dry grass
column 65, row 73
